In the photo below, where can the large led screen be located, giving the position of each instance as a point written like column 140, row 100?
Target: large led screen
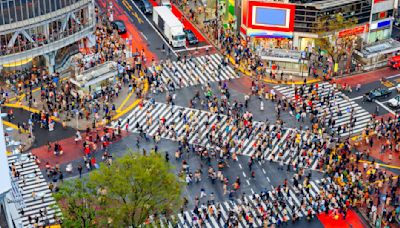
column 267, row 16
column 270, row 16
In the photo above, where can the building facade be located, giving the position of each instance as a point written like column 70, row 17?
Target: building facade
column 291, row 25
column 33, row 28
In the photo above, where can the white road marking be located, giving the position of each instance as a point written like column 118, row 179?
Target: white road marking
column 252, row 191
column 268, row 179
column 240, row 166
column 356, row 98
column 248, row 182
column 144, row 36
column 384, row 106
column 264, row 171
column 154, row 28
column 244, row 174
column 194, row 48
column 393, row 76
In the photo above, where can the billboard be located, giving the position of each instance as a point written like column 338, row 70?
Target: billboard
column 267, row 16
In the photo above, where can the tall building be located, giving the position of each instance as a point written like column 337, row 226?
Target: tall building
column 288, row 27
column 40, row 28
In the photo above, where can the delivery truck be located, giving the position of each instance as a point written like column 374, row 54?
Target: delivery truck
column 169, row 25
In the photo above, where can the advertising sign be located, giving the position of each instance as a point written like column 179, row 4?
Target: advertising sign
column 267, row 16
column 354, row 31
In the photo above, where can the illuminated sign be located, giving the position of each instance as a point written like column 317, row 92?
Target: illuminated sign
column 380, row 24
column 353, row 31
column 267, row 16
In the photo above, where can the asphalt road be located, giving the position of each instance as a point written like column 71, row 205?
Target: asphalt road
column 42, row 135
column 155, row 39
column 381, row 102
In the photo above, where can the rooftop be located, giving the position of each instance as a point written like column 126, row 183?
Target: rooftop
column 380, row 48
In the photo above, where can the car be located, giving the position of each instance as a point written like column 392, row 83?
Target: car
column 377, row 93
column 145, row 6
column 119, row 26
column 394, row 102
column 191, row 37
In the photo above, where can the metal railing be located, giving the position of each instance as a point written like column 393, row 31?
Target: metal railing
column 50, row 47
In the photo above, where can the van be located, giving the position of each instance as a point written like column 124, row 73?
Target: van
column 166, row 3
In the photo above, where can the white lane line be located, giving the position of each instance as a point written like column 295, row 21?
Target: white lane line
column 248, row 182
column 144, row 36
column 392, row 88
column 268, row 179
column 154, row 28
column 244, row 174
column 194, row 48
column 264, row 171
column 356, row 98
column 393, row 76
column 240, row 166
column 384, row 106
column 252, row 191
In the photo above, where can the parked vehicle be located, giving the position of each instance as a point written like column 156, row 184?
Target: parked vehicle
column 145, row 6
column 169, row 25
column 119, row 25
column 394, row 62
column 191, row 37
column 166, row 3
column 377, row 93
column 394, row 102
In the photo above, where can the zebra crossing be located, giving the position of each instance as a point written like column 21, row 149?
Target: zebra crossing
column 267, row 207
column 195, row 70
column 342, row 104
column 31, row 192
column 151, row 115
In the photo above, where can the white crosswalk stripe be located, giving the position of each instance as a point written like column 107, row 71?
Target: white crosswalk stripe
column 31, row 180
column 150, row 117
column 270, row 207
column 339, row 111
column 196, row 70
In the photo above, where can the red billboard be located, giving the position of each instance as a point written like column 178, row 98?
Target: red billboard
column 354, row 31
column 271, row 16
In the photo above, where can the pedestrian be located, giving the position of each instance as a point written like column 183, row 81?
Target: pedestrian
column 80, row 170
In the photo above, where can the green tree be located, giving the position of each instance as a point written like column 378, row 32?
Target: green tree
column 127, row 192
column 336, row 47
column 77, row 204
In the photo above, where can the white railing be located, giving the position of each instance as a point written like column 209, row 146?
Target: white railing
column 48, row 47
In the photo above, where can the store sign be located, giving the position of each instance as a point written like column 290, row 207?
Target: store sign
column 380, row 24
column 353, row 31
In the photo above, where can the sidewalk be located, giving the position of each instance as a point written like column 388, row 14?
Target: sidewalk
column 72, row 150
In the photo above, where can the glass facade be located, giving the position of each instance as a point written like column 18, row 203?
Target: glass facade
column 18, row 10
column 43, row 34
column 307, row 15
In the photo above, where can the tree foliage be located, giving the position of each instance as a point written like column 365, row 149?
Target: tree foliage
column 336, row 47
column 125, row 193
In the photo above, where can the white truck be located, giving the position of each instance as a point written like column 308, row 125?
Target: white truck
column 169, row 25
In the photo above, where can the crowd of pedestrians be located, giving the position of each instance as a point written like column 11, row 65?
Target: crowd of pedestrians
column 351, row 183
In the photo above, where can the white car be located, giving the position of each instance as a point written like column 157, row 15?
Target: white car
column 394, row 102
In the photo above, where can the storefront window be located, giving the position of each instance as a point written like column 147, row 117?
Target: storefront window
column 271, row 43
column 375, row 36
